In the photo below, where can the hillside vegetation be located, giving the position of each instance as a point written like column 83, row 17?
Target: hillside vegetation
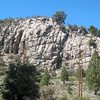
column 41, row 58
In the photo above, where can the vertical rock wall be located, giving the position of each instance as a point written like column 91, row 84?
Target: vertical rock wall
column 45, row 44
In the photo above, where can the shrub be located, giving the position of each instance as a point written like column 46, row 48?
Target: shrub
column 73, row 27
column 72, row 78
column 2, row 62
column 86, row 98
column 2, row 67
column 93, row 30
column 45, row 78
column 69, row 89
column 63, row 28
column 64, row 98
column 64, row 75
column 83, row 98
column 7, row 21
column 46, row 93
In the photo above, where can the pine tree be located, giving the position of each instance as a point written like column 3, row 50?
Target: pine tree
column 64, row 75
column 45, row 78
column 77, row 73
column 93, row 30
column 20, row 82
column 93, row 73
column 59, row 17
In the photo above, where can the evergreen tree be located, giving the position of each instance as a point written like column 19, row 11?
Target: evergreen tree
column 20, row 82
column 77, row 73
column 59, row 17
column 93, row 30
column 64, row 75
column 93, row 73
column 45, row 78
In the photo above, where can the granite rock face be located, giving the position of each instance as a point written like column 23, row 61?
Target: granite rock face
column 45, row 44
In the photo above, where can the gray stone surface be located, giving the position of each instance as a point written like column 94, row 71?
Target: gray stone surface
column 45, row 44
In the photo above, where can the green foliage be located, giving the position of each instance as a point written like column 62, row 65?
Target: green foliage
column 2, row 63
column 83, row 98
column 59, row 17
column 64, row 98
column 69, row 89
column 64, row 75
column 98, row 34
column 77, row 73
column 45, row 79
column 46, row 93
column 6, row 21
column 63, row 28
column 20, row 82
column 72, row 78
column 83, row 28
column 73, row 27
column 86, row 98
column 93, row 30
column 2, row 67
column 93, row 73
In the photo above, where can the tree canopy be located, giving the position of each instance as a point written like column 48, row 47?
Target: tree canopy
column 20, row 82
column 45, row 78
column 93, row 73
column 64, row 75
column 95, row 31
column 59, row 17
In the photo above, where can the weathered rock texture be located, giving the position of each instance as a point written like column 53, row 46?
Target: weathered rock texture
column 45, row 44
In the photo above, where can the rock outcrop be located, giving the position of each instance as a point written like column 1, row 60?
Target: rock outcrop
column 45, row 44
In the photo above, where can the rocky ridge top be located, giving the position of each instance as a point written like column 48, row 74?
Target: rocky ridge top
column 45, row 44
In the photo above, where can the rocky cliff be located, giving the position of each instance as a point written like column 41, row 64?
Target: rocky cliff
column 46, row 44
